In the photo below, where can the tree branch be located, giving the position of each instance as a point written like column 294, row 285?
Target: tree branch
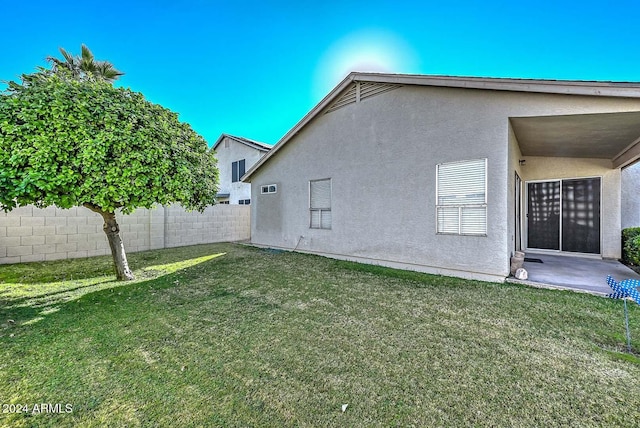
column 94, row 208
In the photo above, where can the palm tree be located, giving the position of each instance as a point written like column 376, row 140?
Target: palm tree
column 84, row 66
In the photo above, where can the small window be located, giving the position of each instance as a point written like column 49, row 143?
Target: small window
column 226, row 143
column 244, row 201
column 461, row 207
column 269, row 188
column 223, row 202
column 237, row 170
column 320, row 204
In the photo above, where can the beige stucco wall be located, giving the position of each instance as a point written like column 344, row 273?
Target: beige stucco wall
column 630, row 196
column 30, row 234
column 381, row 155
column 514, row 157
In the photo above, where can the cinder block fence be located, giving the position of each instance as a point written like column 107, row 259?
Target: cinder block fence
column 30, row 234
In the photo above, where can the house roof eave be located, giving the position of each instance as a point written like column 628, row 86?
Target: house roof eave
column 242, row 140
column 298, row 126
column 562, row 87
column 566, row 87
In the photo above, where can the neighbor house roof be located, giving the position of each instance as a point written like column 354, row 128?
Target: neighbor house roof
column 247, row 142
column 565, row 87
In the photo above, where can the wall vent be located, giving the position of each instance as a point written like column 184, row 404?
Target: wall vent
column 370, row 89
column 349, row 97
column 359, row 91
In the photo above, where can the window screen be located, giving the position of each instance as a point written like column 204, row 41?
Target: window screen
column 462, row 197
column 320, row 204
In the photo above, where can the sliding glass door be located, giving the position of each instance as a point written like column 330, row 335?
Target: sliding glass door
column 564, row 215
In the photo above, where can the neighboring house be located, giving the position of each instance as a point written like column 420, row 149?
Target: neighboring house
column 450, row 175
column 235, row 156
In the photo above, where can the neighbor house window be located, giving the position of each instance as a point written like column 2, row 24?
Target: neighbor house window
column 269, row 188
column 320, row 204
column 462, row 197
column 237, row 170
column 244, row 202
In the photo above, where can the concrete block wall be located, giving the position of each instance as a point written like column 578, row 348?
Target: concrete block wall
column 218, row 223
column 29, row 234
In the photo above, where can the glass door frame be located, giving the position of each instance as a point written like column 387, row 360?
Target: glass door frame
column 525, row 232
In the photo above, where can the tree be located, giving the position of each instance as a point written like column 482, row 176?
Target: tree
column 84, row 66
column 81, row 142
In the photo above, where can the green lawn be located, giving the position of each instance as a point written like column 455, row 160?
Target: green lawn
column 228, row 335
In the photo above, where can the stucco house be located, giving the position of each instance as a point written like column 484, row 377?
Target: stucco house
column 235, row 156
column 450, row 175
column 631, row 196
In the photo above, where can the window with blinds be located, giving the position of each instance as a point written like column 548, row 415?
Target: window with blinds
column 462, row 197
column 320, row 204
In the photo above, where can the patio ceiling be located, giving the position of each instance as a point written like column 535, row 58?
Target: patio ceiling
column 614, row 136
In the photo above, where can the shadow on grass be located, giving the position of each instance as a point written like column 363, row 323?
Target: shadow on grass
column 25, row 310
column 13, row 302
column 91, row 267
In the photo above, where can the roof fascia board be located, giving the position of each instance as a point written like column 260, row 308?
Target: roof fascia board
column 298, row 126
column 253, row 144
column 218, row 141
column 606, row 89
column 628, row 156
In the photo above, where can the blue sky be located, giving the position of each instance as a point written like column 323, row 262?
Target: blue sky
column 255, row 68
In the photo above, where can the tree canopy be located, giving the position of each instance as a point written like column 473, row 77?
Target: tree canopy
column 68, row 140
column 83, row 65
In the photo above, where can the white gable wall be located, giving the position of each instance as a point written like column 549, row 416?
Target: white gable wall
column 226, row 155
column 381, row 155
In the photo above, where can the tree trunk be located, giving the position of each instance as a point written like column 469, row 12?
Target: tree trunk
column 112, row 230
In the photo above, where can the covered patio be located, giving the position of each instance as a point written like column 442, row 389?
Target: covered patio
column 612, row 136
column 568, row 194
column 564, row 272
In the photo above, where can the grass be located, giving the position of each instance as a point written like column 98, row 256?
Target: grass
column 228, row 335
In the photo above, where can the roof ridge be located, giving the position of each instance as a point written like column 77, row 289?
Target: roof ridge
column 243, row 140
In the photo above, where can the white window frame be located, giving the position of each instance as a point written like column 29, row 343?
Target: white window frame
column 320, row 210
column 268, row 187
column 462, row 206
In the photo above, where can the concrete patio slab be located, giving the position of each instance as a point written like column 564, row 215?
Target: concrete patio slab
column 581, row 274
